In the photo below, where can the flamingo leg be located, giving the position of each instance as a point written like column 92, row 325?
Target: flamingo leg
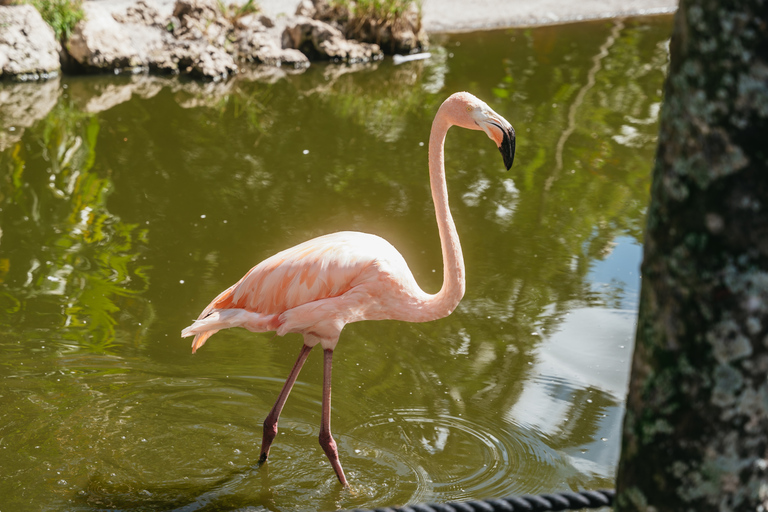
column 270, row 424
column 326, row 439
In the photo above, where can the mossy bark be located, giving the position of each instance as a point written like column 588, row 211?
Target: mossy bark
column 696, row 427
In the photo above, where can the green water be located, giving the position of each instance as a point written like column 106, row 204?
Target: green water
column 128, row 203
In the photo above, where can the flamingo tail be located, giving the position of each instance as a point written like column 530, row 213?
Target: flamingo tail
column 217, row 319
column 200, row 339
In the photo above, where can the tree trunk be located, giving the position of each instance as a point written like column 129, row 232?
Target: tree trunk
column 696, row 426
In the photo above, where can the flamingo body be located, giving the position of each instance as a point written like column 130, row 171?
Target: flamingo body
column 319, row 286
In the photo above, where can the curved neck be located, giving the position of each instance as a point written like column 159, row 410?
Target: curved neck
column 446, row 300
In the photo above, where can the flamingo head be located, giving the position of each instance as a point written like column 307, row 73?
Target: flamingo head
column 472, row 113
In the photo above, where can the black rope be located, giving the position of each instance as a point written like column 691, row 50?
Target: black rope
column 541, row 503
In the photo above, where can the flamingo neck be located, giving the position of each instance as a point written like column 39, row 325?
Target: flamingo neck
column 445, row 301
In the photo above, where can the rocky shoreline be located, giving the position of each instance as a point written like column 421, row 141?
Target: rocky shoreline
column 34, row 84
column 25, row 103
column 206, row 39
column 199, row 38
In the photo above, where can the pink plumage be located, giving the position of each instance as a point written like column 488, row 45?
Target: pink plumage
column 319, row 286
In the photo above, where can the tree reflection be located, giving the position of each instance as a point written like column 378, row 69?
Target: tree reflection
column 71, row 269
column 544, row 229
column 187, row 186
column 538, row 230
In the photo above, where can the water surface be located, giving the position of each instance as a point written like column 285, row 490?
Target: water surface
column 127, row 203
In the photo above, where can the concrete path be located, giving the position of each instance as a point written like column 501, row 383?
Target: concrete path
column 467, row 15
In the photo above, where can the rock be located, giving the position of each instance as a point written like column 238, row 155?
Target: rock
column 266, row 21
column 263, row 48
column 202, row 34
column 212, row 63
column 28, row 46
column 138, row 39
column 254, row 21
column 405, row 34
column 251, row 22
column 146, row 29
column 201, row 19
column 337, row 15
column 199, row 37
column 197, row 10
column 99, row 41
column 143, row 13
column 319, row 40
column 306, row 8
column 258, row 39
column 274, row 56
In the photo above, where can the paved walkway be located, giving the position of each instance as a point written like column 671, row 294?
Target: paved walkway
column 467, row 15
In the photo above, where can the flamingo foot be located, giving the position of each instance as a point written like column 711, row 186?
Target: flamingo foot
column 331, row 451
column 270, row 431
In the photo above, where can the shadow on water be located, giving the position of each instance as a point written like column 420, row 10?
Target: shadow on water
column 224, row 494
column 127, row 203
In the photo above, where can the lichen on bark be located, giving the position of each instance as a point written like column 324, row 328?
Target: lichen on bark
column 696, row 428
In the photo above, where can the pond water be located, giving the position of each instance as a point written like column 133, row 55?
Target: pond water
column 127, row 203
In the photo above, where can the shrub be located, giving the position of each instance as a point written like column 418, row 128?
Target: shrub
column 380, row 21
column 61, row 15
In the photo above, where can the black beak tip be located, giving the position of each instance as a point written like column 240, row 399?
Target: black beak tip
column 507, row 148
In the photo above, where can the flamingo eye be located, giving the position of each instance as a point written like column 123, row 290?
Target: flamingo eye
column 469, row 108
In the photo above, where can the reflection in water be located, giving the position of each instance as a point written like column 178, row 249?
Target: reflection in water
column 23, row 105
column 579, row 98
column 70, row 266
column 128, row 201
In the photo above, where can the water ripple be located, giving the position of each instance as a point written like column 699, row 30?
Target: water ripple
column 431, row 450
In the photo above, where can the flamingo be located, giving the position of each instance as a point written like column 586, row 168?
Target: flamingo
column 319, row 286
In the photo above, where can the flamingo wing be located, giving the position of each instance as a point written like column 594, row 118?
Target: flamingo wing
column 321, row 268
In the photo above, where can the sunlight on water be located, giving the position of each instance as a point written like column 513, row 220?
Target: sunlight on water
column 127, row 203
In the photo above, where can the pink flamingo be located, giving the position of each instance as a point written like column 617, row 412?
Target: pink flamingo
column 319, row 286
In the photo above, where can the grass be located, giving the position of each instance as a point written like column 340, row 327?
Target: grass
column 61, row 15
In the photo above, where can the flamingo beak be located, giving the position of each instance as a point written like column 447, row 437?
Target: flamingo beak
column 507, row 146
column 501, row 132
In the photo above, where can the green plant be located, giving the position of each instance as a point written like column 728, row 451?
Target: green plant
column 233, row 12
column 61, row 15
